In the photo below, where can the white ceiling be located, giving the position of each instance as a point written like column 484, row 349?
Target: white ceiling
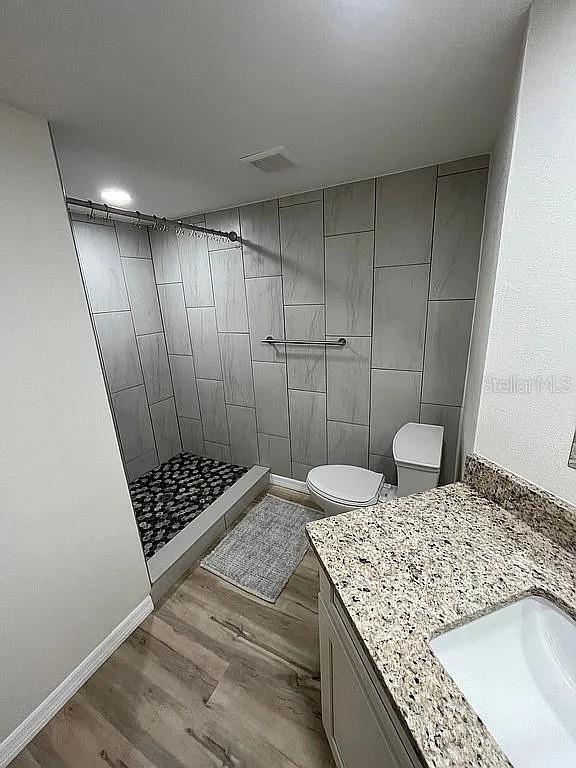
column 164, row 98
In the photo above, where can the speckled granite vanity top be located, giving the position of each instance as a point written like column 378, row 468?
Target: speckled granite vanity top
column 408, row 570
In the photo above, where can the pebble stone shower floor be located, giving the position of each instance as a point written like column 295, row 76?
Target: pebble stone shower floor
column 167, row 498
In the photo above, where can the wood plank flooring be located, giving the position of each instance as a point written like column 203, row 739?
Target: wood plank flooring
column 214, row 677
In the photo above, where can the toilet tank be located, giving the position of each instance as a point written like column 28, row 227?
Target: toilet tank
column 417, row 450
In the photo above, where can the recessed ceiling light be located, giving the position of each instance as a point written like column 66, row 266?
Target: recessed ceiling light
column 116, row 196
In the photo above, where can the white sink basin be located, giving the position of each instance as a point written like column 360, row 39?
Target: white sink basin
column 517, row 669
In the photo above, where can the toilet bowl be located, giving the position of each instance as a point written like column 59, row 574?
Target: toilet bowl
column 417, row 450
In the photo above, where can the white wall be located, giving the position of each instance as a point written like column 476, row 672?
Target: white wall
column 71, row 563
column 493, row 217
column 533, row 327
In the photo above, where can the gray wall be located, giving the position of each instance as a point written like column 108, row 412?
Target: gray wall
column 72, row 564
column 389, row 263
column 501, row 159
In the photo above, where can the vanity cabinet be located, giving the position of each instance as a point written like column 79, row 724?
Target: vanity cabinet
column 361, row 726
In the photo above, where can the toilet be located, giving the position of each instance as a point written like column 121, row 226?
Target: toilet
column 417, row 450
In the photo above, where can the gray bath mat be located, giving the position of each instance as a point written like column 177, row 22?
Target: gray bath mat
column 261, row 553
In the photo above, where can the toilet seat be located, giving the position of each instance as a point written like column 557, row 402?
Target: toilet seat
column 345, row 485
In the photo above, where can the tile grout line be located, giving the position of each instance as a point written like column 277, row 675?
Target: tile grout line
column 373, row 304
column 213, row 306
column 428, row 297
column 164, row 334
column 286, row 352
column 134, row 331
column 283, row 322
column 327, row 452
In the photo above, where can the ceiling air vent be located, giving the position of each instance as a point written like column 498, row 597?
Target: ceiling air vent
column 272, row 160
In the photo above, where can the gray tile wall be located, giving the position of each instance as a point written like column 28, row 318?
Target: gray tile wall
column 121, row 283
column 389, row 263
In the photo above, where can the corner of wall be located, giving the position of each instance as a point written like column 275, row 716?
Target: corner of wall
column 500, row 162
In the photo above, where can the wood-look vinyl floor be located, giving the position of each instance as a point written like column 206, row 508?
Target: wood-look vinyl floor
column 214, row 677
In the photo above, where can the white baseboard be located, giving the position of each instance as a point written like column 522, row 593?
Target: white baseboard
column 25, row 732
column 288, row 482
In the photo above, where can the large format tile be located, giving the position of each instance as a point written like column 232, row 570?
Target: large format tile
column 237, row 368
column 143, row 295
column 349, row 208
column 226, row 221
column 243, row 435
column 457, row 235
column 385, row 465
column 213, row 410
column 166, row 430
column 218, row 451
column 446, row 354
column 265, row 318
column 306, row 365
column 101, row 267
column 395, row 400
column 132, row 241
column 175, row 320
column 348, row 381
column 466, row 164
column 195, row 266
column 155, row 367
column 404, row 217
column 347, row 444
column 275, row 453
column 349, row 276
column 165, row 255
column 400, row 304
column 185, row 389
column 315, row 195
column 229, row 290
column 141, row 465
column 192, row 436
column 302, row 245
column 119, row 351
column 300, row 471
column 447, row 416
column 204, row 336
column 270, row 388
column 261, row 239
column 133, row 421
column 308, row 427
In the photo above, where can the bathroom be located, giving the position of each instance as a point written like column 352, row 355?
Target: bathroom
column 301, row 409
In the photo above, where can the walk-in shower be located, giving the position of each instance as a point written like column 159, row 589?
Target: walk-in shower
column 182, row 481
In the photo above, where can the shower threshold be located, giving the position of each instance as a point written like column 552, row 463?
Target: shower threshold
column 182, row 506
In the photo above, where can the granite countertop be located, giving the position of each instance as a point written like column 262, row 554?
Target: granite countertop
column 410, row 569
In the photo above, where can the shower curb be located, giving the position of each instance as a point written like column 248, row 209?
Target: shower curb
column 181, row 552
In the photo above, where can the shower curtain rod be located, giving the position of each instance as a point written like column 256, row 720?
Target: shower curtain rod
column 158, row 222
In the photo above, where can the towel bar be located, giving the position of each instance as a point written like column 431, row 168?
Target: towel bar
column 341, row 342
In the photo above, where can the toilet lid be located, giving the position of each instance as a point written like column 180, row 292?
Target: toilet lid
column 343, row 483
